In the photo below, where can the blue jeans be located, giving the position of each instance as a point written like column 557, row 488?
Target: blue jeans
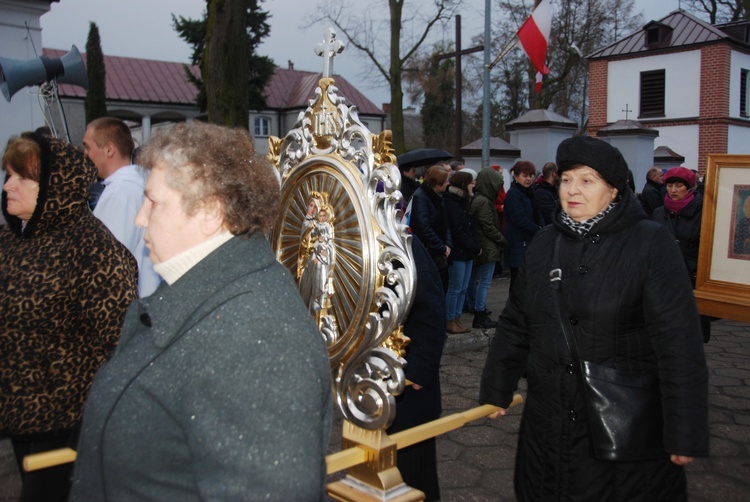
column 458, row 281
column 479, row 285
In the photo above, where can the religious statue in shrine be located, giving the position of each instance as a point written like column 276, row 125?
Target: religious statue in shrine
column 315, row 263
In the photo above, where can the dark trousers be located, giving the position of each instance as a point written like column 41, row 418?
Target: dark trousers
column 706, row 327
column 418, row 466
column 418, row 463
column 513, row 275
column 45, row 485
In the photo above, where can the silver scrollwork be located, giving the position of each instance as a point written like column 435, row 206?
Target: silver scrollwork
column 330, row 150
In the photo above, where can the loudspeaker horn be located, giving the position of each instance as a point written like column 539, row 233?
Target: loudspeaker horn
column 17, row 74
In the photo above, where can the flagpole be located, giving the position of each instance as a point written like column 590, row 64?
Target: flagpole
column 486, row 87
column 505, row 50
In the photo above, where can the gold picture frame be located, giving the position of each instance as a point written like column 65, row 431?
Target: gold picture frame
column 722, row 287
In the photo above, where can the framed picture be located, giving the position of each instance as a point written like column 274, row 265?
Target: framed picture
column 722, row 287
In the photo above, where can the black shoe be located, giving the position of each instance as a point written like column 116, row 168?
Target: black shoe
column 482, row 321
column 470, row 310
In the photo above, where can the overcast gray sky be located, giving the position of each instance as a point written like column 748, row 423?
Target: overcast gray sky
column 143, row 29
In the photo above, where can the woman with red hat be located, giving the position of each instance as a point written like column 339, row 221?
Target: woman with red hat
column 681, row 214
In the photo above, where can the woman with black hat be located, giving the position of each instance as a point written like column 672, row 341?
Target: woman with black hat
column 681, row 216
column 600, row 285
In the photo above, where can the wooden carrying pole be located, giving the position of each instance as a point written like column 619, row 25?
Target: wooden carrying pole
column 334, row 462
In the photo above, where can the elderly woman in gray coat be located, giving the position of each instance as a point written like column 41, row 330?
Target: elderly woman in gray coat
column 629, row 305
column 211, row 394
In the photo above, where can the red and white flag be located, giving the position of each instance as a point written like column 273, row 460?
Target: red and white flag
column 534, row 35
column 538, row 85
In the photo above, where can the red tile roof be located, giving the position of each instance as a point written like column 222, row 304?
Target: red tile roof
column 294, row 88
column 141, row 80
column 149, row 81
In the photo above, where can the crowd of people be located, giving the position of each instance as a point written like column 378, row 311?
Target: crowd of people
column 154, row 303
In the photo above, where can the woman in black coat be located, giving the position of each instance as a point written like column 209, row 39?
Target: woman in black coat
column 465, row 246
column 421, row 402
column 428, row 220
column 522, row 216
column 681, row 216
column 630, row 307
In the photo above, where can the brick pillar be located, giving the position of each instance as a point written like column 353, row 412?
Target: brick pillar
column 713, row 135
column 598, row 70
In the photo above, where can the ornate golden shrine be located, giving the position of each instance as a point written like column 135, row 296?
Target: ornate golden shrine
column 340, row 236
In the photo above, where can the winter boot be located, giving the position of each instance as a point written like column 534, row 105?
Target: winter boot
column 461, row 327
column 452, row 328
column 482, row 321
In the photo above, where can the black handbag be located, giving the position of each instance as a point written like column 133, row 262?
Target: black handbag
column 623, row 410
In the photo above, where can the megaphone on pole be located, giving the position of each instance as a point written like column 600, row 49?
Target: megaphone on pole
column 17, row 74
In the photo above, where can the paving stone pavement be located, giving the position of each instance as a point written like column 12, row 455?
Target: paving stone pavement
column 475, row 462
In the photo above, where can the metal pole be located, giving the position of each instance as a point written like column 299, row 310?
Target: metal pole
column 458, row 87
column 486, row 89
column 62, row 112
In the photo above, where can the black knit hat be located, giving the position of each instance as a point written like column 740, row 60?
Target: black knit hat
column 596, row 154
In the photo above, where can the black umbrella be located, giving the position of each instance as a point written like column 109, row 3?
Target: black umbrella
column 422, row 157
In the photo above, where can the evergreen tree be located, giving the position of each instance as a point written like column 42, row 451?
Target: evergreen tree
column 96, row 97
column 234, row 75
column 438, row 108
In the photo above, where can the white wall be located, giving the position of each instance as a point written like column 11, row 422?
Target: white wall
column 681, row 139
column 539, row 146
column 638, row 152
column 682, row 84
column 23, row 113
column 739, row 140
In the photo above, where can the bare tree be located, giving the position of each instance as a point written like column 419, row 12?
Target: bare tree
column 719, row 11
column 406, row 28
column 579, row 27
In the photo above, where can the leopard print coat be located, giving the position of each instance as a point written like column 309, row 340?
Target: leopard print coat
column 65, row 283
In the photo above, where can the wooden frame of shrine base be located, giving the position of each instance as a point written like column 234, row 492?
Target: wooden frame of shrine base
column 722, row 287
